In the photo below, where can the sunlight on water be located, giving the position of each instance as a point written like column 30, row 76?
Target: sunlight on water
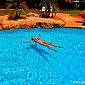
column 23, row 63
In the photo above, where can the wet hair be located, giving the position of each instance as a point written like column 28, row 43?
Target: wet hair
column 32, row 38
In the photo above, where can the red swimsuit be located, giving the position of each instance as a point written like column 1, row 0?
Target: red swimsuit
column 36, row 39
column 43, row 42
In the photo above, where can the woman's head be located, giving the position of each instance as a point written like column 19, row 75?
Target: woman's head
column 33, row 38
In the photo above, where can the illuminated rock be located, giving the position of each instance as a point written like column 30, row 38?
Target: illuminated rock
column 82, row 14
column 31, row 14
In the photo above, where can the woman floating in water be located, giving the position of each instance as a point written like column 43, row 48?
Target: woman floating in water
column 44, row 43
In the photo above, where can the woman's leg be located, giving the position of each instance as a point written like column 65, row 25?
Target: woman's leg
column 54, row 45
column 51, row 48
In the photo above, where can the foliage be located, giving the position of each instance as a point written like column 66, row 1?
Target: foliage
column 49, row 1
column 16, row 13
column 72, row 11
column 9, row 11
column 54, row 3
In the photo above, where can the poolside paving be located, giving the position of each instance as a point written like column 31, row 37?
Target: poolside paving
column 71, row 21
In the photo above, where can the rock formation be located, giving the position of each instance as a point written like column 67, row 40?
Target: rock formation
column 32, row 21
column 82, row 14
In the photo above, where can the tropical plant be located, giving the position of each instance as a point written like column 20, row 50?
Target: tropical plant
column 50, row 6
column 49, row 1
column 16, row 5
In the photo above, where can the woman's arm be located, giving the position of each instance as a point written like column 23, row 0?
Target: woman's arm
column 26, row 41
column 39, row 36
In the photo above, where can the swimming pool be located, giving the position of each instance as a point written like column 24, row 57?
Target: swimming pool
column 24, row 63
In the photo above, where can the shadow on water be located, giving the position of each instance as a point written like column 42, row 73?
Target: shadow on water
column 38, row 50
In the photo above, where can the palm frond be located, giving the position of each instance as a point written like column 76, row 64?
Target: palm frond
column 9, row 6
column 24, row 6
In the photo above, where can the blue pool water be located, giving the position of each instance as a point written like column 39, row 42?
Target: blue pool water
column 23, row 63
